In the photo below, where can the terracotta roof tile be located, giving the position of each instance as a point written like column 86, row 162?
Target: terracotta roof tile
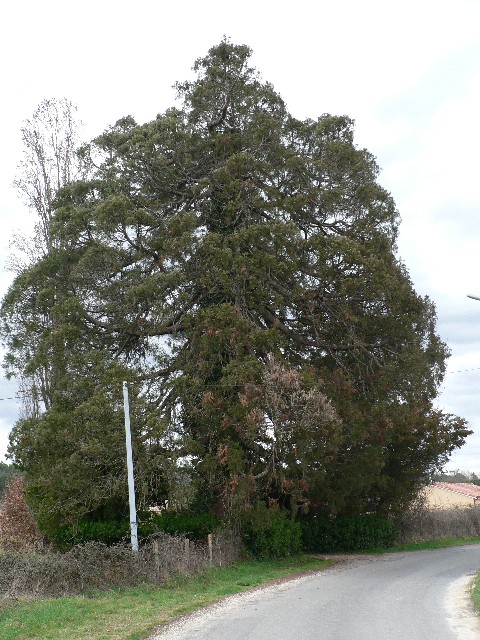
column 464, row 488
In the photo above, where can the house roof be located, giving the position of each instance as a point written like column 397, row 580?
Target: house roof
column 463, row 488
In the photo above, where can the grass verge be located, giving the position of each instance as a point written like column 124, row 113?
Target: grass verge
column 133, row 614
column 476, row 593
column 441, row 543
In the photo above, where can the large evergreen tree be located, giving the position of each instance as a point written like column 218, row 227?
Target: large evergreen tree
column 238, row 266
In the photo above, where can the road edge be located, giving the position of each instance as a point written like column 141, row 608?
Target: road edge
column 461, row 611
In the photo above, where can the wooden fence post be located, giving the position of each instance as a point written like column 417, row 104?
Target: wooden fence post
column 156, row 556
column 187, row 552
column 210, row 548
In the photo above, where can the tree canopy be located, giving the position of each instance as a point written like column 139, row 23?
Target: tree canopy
column 238, row 267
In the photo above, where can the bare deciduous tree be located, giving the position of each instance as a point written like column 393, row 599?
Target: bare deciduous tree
column 50, row 142
column 50, row 161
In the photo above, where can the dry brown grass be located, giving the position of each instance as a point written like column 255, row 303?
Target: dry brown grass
column 421, row 524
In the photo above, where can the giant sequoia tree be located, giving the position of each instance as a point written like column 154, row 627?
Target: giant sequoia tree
column 238, row 266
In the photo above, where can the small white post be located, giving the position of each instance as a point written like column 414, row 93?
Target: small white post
column 131, row 482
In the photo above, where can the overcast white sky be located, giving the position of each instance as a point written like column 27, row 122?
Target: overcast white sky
column 407, row 72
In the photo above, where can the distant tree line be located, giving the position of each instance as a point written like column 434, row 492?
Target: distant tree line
column 456, row 476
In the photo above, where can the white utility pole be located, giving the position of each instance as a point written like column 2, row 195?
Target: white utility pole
column 131, row 482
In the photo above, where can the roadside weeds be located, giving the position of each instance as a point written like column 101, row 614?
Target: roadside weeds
column 134, row 613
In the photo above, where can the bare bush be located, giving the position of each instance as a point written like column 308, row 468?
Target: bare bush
column 227, row 548
column 17, row 526
column 164, row 555
column 96, row 566
column 422, row 524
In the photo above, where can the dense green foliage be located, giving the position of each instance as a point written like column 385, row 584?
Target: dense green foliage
column 238, row 268
column 354, row 533
column 106, row 531
column 192, row 526
column 269, row 534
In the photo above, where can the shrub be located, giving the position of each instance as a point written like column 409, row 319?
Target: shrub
column 352, row 533
column 268, row 533
column 7, row 471
column 18, row 529
column 96, row 566
column 105, row 531
column 421, row 524
column 192, row 526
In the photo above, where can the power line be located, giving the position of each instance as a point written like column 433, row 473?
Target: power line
column 463, row 370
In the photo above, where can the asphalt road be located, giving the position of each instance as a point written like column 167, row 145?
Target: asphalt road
column 419, row 595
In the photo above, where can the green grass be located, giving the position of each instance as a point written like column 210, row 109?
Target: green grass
column 133, row 614
column 476, row 593
column 441, row 543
